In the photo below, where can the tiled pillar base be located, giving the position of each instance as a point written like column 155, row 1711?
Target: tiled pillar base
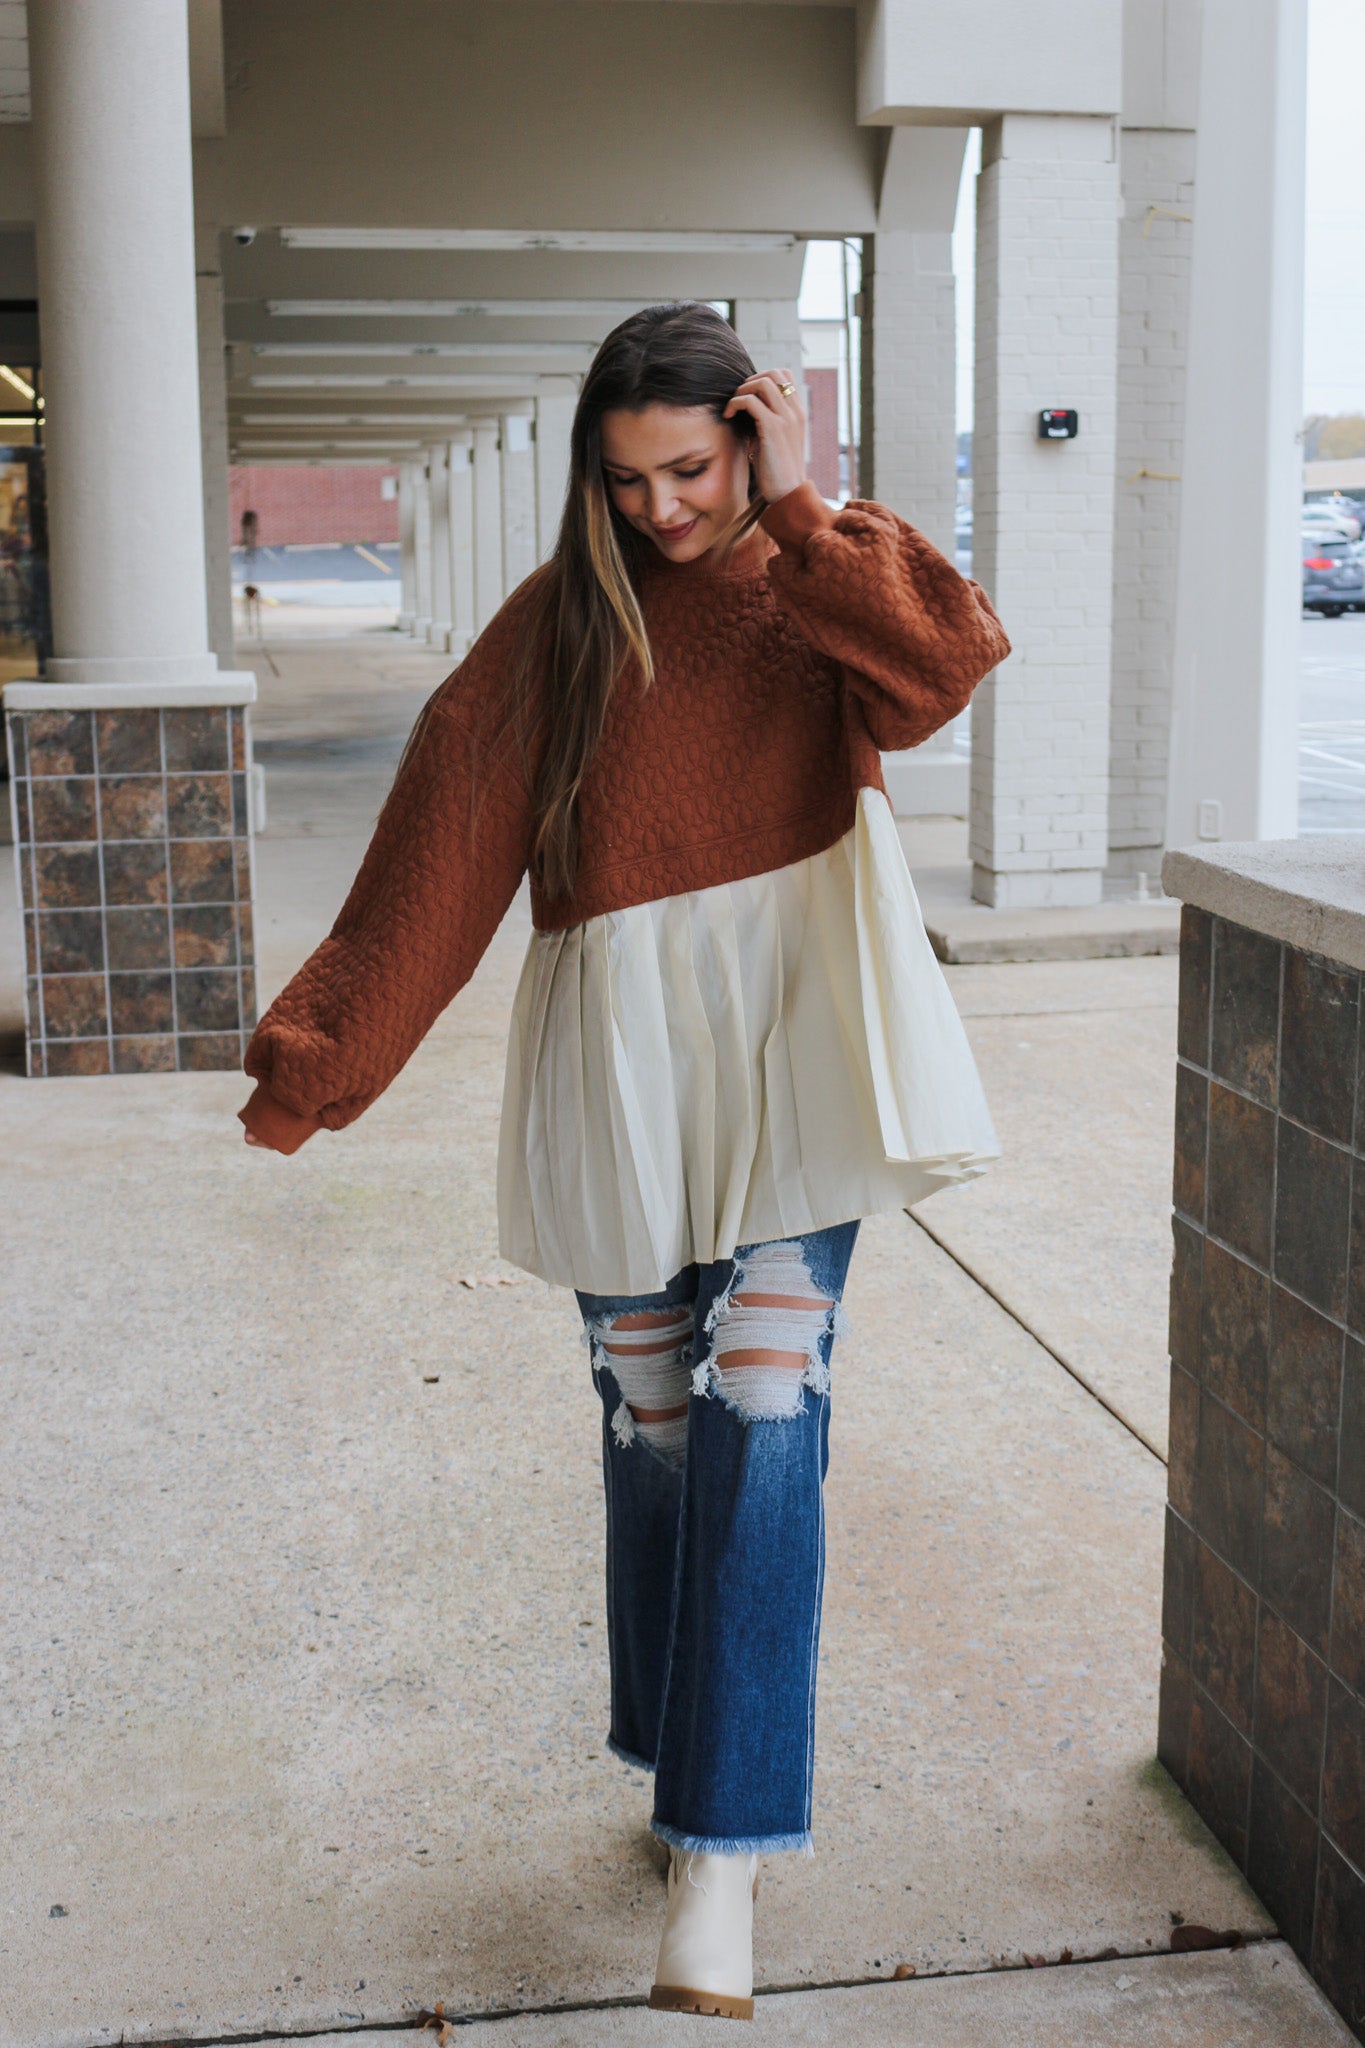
column 1263, row 1665
column 132, row 835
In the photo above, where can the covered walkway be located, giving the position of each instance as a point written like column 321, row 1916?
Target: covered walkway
column 321, row 1669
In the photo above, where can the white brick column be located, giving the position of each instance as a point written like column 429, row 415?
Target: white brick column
column 461, row 545
column 909, row 332
column 518, row 501
column 1046, row 335
column 421, row 546
column 554, row 422
column 1157, row 172
column 908, row 452
column 438, row 481
column 771, row 331
column 487, row 523
column 407, row 545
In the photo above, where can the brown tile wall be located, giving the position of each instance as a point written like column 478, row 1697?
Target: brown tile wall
column 1263, row 1668
column 134, row 852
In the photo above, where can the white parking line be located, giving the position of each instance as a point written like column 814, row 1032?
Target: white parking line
column 1333, row 760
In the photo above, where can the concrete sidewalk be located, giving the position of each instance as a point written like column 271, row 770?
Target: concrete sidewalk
column 302, row 1626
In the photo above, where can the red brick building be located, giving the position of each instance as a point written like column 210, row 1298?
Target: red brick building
column 313, row 502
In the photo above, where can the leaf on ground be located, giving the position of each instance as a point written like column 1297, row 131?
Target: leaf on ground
column 1190, row 1935
column 902, row 1971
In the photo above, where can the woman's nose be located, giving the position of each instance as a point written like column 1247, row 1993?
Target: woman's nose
column 663, row 505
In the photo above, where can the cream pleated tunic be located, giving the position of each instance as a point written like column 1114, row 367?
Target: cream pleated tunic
column 732, row 1066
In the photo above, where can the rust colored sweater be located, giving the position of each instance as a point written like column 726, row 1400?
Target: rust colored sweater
column 778, row 677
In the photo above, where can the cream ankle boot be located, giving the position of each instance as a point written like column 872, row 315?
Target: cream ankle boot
column 706, row 1956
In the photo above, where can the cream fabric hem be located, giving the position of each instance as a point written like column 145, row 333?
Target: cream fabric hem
column 733, row 1065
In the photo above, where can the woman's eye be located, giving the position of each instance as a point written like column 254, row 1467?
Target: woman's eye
column 690, row 473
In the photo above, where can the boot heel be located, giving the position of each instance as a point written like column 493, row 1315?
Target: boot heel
column 714, row 2005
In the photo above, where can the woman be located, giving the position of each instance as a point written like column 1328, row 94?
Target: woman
column 730, row 1040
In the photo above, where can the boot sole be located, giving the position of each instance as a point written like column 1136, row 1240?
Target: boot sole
column 718, row 2005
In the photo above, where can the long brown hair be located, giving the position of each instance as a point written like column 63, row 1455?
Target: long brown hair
column 584, row 624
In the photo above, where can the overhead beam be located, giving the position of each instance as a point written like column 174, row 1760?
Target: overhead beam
column 579, row 352
column 208, row 86
column 448, row 309
column 585, row 241
column 403, row 421
column 265, row 269
column 495, row 386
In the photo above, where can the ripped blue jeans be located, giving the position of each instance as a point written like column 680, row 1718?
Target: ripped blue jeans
column 715, row 1443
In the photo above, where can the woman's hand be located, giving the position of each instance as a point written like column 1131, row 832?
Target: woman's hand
column 771, row 401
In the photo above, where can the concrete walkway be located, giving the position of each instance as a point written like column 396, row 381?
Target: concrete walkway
column 301, row 1627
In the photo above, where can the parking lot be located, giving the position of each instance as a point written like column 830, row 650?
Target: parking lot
column 1332, row 725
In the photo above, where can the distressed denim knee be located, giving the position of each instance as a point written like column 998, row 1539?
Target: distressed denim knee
column 648, row 1353
column 767, row 1333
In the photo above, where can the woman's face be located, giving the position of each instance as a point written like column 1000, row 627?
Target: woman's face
column 677, row 473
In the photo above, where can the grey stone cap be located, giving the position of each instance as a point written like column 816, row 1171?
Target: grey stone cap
column 229, row 686
column 1309, row 893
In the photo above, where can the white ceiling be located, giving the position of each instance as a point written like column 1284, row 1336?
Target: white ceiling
column 14, row 92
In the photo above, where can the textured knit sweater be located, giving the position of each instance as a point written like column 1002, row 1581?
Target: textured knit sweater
column 779, row 675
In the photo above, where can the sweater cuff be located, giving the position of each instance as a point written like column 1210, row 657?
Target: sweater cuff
column 267, row 1119
column 791, row 520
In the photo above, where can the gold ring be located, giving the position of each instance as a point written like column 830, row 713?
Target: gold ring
column 787, row 390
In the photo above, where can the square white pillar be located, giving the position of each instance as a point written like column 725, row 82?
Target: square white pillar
column 1234, row 727
column 487, row 523
column 909, row 334
column 438, row 481
column 771, row 331
column 1157, row 173
column 421, row 546
column 407, row 546
column 908, row 452
column 461, row 545
column 213, row 420
column 1046, row 336
column 554, row 424
column 518, row 501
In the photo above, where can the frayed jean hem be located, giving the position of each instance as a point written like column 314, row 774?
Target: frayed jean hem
column 732, row 1845
column 628, row 1756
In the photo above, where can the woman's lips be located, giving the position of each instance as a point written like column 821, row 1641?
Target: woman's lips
column 676, row 532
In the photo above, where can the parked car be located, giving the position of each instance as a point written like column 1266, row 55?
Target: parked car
column 1333, row 515
column 1333, row 574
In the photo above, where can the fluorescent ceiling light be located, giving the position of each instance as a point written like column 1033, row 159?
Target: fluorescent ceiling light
column 556, row 351
column 12, row 377
column 590, row 241
column 450, row 309
column 494, row 386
